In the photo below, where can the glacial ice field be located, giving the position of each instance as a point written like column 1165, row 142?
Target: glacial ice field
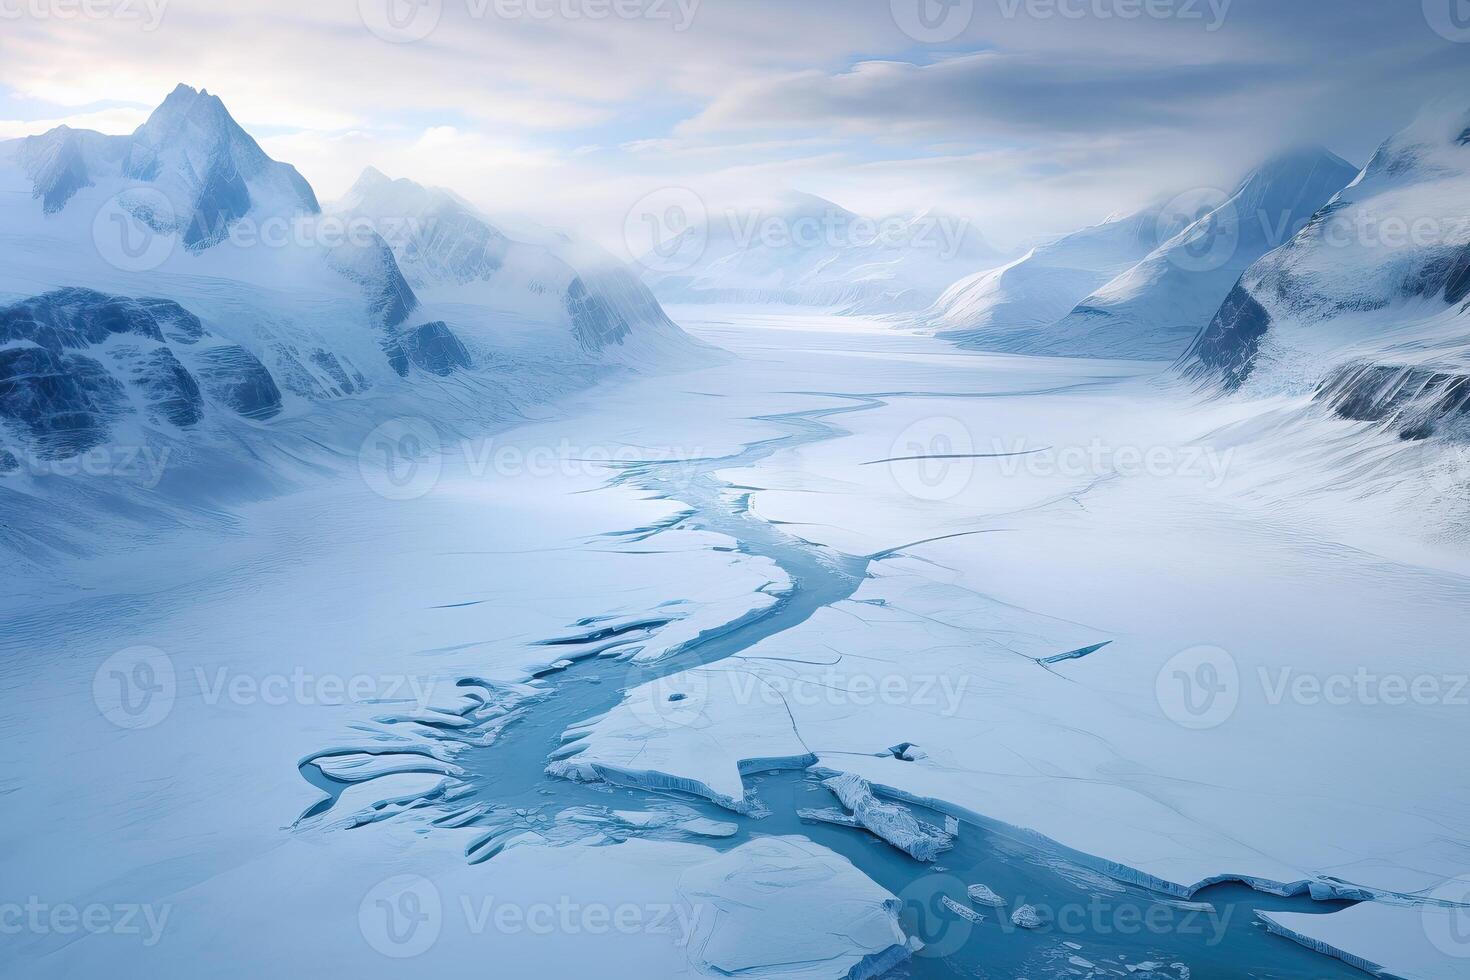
column 758, row 668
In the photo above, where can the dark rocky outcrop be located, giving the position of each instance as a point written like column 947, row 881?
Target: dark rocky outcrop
column 1226, row 350
column 234, row 376
column 172, row 393
column 64, row 402
column 594, row 321
column 430, row 347
column 1412, row 400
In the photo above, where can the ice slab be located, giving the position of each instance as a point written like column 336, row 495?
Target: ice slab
column 784, row 907
column 681, row 724
column 1409, row 942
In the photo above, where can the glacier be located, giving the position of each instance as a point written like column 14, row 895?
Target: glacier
column 445, row 573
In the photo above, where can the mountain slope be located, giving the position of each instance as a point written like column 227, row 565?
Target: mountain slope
column 1377, row 283
column 178, row 294
column 1158, row 306
column 550, row 293
column 1349, row 346
column 210, row 172
column 1141, row 286
column 1011, row 307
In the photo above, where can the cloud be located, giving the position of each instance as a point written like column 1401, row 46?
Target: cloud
column 988, row 93
column 1024, row 122
column 115, row 122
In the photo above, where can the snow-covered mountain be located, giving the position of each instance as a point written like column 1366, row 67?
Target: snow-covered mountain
column 453, row 255
column 178, row 289
column 209, row 170
column 1142, row 286
column 1369, row 301
column 802, row 250
column 1158, row 306
column 1011, row 307
column 1349, row 346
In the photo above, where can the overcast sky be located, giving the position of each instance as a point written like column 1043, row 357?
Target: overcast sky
column 1030, row 117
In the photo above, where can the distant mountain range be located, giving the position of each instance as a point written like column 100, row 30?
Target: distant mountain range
column 801, row 250
column 179, row 287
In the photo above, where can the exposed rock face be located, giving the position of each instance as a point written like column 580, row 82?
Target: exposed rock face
column 1227, row 348
column 76, row 318
column 234, row 376
column 595, row 323
column 65, row 401
column 346, row 384
column 371, row 265
column 430, row 347
column 172, row 393
column 1414, row 401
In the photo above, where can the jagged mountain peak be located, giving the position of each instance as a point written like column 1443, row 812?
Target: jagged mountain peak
column 190, row 150
column 369, row 180
column 195, row 119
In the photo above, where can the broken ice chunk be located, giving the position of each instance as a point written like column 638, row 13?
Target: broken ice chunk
column 984, row 895
column 828, row 814
column 969, row 915
column 1026, row 917
column 907, row 752
column 704, row 827
column 893, row 823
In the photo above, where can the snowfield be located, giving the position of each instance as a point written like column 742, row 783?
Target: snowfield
column 1251, row 668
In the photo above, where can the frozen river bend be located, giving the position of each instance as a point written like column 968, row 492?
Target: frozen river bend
column 756, row 670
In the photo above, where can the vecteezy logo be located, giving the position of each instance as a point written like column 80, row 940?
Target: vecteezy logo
column 933, row 21
column 667, row 231
column 674, row 701
column 926, row 916
column 1446, row 918
column 1450, row 19
column 400, row 21
column 1199, row 688
column 401, row 917
column 1210, row 226
column 401, row 459
column 133, row 231
column 135, row 688
column 933, row 459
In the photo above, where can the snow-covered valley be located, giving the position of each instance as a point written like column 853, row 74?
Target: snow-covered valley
column 1055, row 613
